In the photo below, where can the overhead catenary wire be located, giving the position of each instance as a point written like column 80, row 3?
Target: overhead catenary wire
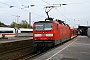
column 38, row 8
column 67, row 13
column 72, row 3
column 21, row 9
column 4, row 3
column 35, row 4
column 64, row 10
column 61, row 13
column 46, row 2
column 57, row 10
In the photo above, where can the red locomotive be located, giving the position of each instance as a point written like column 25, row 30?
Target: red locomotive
column 47, row 34
column 50, row 33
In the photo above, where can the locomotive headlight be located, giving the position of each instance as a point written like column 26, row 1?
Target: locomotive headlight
column 35, row 39
column 37, row 35
column 49, row 34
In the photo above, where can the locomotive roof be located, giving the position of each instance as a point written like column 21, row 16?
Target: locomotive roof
column 50, row 21
column 45, row 21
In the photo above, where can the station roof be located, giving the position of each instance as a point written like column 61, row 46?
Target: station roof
column 83, row 27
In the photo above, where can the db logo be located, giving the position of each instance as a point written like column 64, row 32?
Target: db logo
column 43, row 35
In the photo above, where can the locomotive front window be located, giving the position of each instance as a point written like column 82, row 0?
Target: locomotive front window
column 39, row 27
column 43, row 26
column 48, row 26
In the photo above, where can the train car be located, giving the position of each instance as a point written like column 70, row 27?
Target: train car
column 47, row 34
column 7, row 32
column 12, row 32
column 24, row 32
column 73, row 32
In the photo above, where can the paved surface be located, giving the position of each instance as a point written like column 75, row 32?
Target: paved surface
column 76, row 49
column 12, row 39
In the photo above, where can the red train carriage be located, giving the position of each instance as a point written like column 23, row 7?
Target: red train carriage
column 50, row 33
column 73, row 32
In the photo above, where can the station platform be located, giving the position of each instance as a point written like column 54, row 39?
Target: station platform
column 13, row 39
column 75, row 49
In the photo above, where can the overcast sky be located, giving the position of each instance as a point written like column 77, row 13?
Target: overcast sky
column 76, row 12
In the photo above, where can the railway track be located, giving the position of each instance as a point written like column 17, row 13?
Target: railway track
column 16, row 53
column 26, row 57
column 35, row 55
column 30, row 55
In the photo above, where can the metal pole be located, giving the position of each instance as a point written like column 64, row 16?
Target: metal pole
column 74, row 23
column 27, row 23
column 15, row 21
column 17, row 18
column 17, row 24
column 30, row 18
column 87, row 23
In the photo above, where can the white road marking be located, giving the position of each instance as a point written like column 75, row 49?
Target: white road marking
column 60, row 50
column 29, row 57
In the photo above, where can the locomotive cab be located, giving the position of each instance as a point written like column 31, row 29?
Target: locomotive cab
column 43, row 34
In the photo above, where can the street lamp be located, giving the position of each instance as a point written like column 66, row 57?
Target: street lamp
column 17, row 16
column 16, row 27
